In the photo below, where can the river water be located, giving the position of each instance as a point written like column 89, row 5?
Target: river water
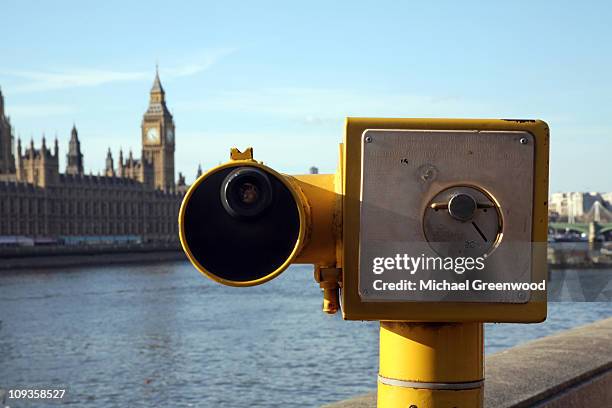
column 163, row 336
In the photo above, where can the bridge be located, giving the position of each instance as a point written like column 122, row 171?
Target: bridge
column 583, row 227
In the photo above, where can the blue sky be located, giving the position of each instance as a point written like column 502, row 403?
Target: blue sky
column 281, row 76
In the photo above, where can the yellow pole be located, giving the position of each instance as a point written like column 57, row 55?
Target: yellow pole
column 431, row 365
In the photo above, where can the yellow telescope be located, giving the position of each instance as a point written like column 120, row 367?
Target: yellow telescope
column 441, row 189
column 242, row 223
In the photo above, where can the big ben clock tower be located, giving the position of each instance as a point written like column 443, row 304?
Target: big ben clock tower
column 158, row 139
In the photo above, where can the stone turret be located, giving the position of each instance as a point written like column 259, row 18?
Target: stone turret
column 74, row 158
column 110, row 169
column 181, row 185
column 7, row 158
column 120, row 169
column 18, row 167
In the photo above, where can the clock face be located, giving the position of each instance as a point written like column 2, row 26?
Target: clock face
column 152, row 135
column 170, row 135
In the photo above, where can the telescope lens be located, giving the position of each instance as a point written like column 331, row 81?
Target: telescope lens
column 246, row 192
column 249, row 193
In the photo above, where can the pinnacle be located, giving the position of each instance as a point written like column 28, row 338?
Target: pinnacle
column 157, row 86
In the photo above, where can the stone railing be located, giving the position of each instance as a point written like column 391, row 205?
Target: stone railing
column 569, row 369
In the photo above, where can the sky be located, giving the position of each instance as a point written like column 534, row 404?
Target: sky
column 282, row 76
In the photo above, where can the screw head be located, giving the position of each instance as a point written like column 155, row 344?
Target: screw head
column 368, row 139
column 524, row 140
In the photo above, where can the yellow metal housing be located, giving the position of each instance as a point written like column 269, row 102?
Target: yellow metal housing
column 324, row 203
column 355, row 309
column 433, row 365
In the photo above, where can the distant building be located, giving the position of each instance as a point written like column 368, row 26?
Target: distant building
column 137, row 200
column 580, row 207
column 7, row 160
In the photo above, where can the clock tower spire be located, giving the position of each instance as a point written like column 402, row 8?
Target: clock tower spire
column 158, row 140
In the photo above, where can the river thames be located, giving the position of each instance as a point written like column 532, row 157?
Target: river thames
column 163, row 336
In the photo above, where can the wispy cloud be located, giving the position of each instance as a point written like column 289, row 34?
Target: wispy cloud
column 40, row 81
column 41, row 110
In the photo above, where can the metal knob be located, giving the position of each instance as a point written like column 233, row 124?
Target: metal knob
column 462, row 207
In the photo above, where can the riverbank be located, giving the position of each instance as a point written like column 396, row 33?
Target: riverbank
column 568, row 369
column 67, row 256
column 13, row 258
column 579, row 255
column 570, row 255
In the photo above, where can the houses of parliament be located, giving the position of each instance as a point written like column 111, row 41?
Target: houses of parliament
column 136, row 200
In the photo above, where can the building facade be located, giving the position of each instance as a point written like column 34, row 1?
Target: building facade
column 135, row 201
column 575, row 207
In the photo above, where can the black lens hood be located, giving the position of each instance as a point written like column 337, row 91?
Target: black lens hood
column 231, row 194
